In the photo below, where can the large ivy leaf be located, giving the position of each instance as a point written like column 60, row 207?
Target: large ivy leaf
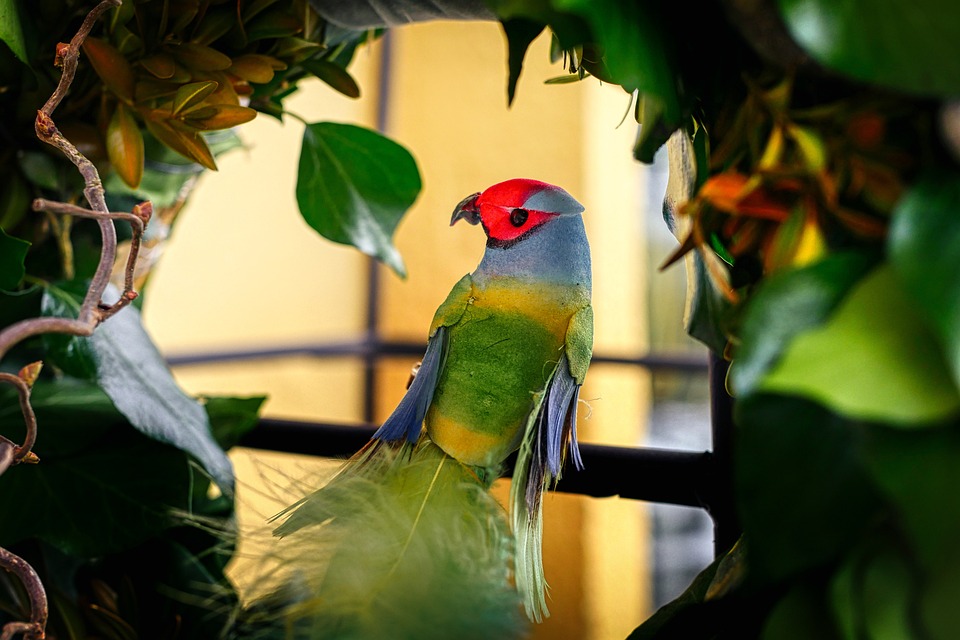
column 100, row 487
column 874, row 359
column 787, row 304
column 924, row 246
column 354, row 186
column 804, row 494
column 11, row 30
column 13, row 251
column 909, row 46
column 133, row 373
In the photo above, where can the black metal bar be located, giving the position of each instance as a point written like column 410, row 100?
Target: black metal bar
column 720, row 503
column 652, row 475
column 398, row 348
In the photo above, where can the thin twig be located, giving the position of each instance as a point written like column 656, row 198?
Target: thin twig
column 92, row 310
column 38, row 598
column 29, row 417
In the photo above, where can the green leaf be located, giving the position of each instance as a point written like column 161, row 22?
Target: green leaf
column 520, row 33
column 874, row 359
column 192, row 94
column 924, row 244
column 133, row 373
column 13, row 251
column 100, row 487
column 354, row 186
column 786, row 305
column 800, row 615
column 909, row 46
column 334, row 75
column 71, row 354
column 804, row 494
column 14, row 200
column 231, row 418
column 636, row 48
column 11, row 30
column 708, row 312
column 918, row 471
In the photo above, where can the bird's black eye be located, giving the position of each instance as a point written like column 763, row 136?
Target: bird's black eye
column 518, row 217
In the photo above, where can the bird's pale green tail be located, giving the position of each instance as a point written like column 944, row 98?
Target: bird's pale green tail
column 403, row 543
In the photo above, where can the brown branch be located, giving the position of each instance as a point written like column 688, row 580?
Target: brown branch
column 92, row 310
column 34, row 629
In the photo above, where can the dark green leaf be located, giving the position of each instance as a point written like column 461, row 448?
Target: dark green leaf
column 520, row 33
column 133, row 373
column 919, row 472
column 354, row 186
column 11, row 30
column 100, row 486
column 637, row 49
column 803, row 491
column 14, row 200
column 924, row 246
column 909, row 46
column 40, row 169
column 654, row 129
column 874, row 359
column 192, row 94
column 709, row 311
column 804, row 613
column 71, row 354
column 231, row 418
column 787, row 304
column 13, row 251
column 334, row 75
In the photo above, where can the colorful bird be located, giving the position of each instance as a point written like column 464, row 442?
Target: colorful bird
column 507, row 353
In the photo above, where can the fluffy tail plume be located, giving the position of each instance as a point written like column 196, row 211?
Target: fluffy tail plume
column 403, row 543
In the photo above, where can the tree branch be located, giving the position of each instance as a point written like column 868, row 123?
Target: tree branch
column 92, row 311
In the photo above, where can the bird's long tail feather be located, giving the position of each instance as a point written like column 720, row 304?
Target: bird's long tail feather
column 404, row 543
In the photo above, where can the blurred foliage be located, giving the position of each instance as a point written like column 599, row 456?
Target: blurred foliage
column 822, row 233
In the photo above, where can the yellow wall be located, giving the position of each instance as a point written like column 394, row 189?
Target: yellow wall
column 253, row 274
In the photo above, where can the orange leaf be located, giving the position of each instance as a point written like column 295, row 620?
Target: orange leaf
column 160, row 65
column 125, row 146
column 200, row 57
column 188, row 144
column 223, row 117
column 190, row 95
column 111, row 66
column 256, row 68
column 737, row 194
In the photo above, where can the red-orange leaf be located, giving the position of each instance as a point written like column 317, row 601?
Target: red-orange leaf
column 188, row 144
column 111, row 66
column 223, row 117
column 160, row 65
column 125, row 146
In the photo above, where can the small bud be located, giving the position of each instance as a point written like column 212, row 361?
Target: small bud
column 29, row 373
column 144, row 211
column 30, row 458
column 45, row 126
column 131, row 295
column 62, row 48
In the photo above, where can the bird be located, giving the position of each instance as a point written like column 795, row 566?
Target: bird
column 507, row 353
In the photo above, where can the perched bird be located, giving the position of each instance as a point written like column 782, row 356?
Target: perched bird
column 507, row 353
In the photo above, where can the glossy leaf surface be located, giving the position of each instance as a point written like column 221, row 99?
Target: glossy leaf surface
column 924, row 246
column 909, row 46
column 354, row 186
column 874, row 359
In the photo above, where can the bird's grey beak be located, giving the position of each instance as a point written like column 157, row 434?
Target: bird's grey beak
column 467, row 210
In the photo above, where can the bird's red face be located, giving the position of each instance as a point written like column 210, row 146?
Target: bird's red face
column 510, row 210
